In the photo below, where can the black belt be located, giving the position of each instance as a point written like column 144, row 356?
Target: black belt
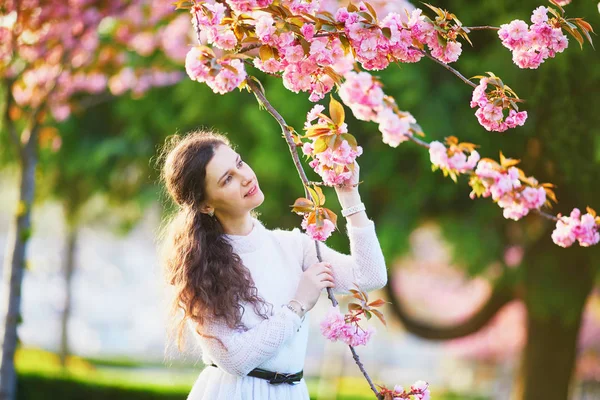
column 274, row 378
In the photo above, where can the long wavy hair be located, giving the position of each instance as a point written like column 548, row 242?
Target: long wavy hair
column 209, row 278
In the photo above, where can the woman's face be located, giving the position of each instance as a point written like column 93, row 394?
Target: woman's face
column 231, row 186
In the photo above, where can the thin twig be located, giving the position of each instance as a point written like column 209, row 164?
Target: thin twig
column 481, row 28
column 260, row 95
column 250, row 47
column 418, row 141
column 545, row 214
column 449, row 68
column 362, row 369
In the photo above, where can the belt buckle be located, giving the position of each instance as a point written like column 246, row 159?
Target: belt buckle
column 282, row 378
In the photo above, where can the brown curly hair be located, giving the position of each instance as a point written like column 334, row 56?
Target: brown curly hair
column 210, row 280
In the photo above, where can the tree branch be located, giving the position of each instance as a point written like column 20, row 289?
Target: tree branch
column 500, row 296
column 258, row 91
column 449, row 68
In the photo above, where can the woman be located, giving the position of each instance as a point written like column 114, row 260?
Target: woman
column 246, row 289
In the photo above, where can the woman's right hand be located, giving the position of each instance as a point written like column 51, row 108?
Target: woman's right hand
column 314, row 279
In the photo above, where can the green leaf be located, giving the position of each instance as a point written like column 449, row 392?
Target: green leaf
column 387, row 32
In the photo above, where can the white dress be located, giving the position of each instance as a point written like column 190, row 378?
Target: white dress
column 276, row 260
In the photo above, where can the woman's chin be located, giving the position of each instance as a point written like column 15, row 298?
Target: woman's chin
column 260, row 198
column 257, row 199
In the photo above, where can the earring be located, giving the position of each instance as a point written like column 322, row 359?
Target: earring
column 211, row 213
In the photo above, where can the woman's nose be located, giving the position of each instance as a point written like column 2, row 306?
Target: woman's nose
column 247, row 179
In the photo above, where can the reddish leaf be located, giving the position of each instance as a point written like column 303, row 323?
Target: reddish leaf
column 379, row 315
column 377, row 303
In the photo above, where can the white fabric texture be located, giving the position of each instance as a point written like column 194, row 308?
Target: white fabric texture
column 276, row 260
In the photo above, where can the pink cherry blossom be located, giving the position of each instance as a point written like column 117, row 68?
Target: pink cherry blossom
column 394, row 128
column 531, row 45
column 491, row 116
column 195, row 65
column 576, row 227
column 333, row 324
column 320, row 233
column 438, row 154
column 334, row 327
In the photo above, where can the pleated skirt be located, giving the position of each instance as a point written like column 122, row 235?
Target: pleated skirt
column 216, row 384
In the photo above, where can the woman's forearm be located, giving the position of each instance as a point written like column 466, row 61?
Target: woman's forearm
column 349, row 199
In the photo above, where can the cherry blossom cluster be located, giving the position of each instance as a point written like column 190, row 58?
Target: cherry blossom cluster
column 363, row 94
column 208, row 18
column 241, row 6
column 318, row 222
column 221, row 75
column 452, row 161
column 394, row 39
column 140, row 80
column 149, row 25
column 418, row 391
column 54, row 53
column 577, row 227
column 491, row 105
column 302, row 70
column 531, row 45
column 333, row 163
column 337, row 326
column 318, row 231
column 504, row 186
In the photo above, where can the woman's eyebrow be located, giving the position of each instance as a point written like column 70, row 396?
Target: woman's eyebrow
column 226, row 172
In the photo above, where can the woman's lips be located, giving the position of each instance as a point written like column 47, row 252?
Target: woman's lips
column 252, row 191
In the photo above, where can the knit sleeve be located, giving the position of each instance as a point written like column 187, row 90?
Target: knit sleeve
column 248, row 349
column 365, row 265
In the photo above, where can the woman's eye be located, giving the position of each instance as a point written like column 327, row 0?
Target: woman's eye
column 240, row 163
column 228, row 179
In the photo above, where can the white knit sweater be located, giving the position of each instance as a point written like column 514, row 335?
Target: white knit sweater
column 276, row 260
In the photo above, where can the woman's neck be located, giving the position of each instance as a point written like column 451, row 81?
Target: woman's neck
column 241, row 226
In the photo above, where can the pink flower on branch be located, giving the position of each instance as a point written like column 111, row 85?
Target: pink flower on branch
column 363, row 94
column 508, row 186
column 453, row 160
column 418, row 391
column 577, row 227
column 491, row 104
column 344, row 327
column 532, row 44
column 221, row 75
column 319, row 222
column 332, row 149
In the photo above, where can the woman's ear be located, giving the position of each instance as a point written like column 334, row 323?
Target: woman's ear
column 207, row 209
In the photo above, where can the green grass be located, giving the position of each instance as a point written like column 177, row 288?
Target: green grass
column 40, row 373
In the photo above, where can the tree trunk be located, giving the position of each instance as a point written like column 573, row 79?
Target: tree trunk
column 68, row 267
column 548, row 360
column 558, row 283
column 14, row 264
